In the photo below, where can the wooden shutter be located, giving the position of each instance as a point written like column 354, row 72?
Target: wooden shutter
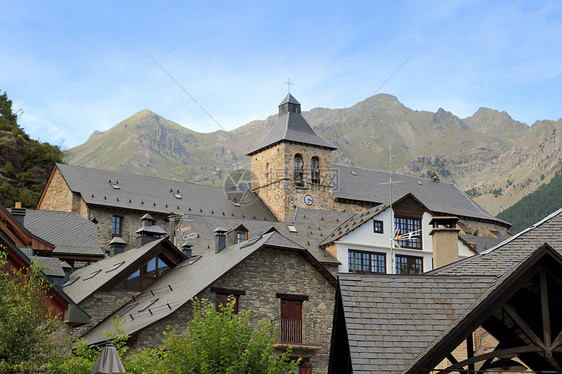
column 305, row 368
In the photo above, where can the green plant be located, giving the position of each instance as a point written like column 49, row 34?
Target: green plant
column 26, row 322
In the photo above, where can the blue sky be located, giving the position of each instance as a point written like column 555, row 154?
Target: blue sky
column 80, row 66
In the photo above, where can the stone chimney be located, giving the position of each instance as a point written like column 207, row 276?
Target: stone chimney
column 117, row 245
column 186, row 248
column 220, row 239
column 445, row 238
column 148, row 232
column 18, row 213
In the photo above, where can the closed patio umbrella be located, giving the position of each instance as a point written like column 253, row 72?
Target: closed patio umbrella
column 108, row 362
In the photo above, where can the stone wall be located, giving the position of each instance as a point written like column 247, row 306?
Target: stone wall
column 57, row 195
column 100, row 305
column 262, row 276
column 480, row 228
column 130, row 223
column 273, row 178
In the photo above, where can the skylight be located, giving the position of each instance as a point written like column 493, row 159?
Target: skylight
column 292, row 228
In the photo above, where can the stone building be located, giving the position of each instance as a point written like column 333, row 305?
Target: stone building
column 116, row 201
column 150, row 287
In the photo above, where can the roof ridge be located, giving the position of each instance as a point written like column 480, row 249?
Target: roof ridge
column 395, row 173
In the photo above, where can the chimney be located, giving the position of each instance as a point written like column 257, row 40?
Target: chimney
column 18, row 213
column 186, row 249
column 148, row 232
column 117, row 245
column 445, row 239
column 220, row 239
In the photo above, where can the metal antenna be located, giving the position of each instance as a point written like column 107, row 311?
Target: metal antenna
column 289, row 84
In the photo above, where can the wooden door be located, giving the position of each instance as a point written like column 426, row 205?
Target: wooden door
column 305, row 368
column 291, row 321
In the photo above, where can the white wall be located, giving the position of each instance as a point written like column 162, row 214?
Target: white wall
column 364, row 239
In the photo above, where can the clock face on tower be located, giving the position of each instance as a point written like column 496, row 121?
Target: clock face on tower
column 308, row 199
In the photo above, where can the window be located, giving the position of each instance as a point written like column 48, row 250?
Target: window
column 406, row 226
column 367, row 262
column 116, row 226
column 315, row 170
column 222, row 299
column 377, row 227
column 241, row 236
column 290, row 329
column 409, row 264
column 145, row 276
column 299, row 170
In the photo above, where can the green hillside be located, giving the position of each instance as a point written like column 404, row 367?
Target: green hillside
column 535, row 206
column 25, row 164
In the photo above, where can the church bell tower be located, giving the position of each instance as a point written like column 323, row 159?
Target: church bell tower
column 291, row 166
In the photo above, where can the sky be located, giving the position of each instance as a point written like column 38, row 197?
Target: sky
column 74, row 67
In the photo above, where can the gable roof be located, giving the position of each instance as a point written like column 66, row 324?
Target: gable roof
column 503, row 257
column 290, row 126
column 354, row 222
column 188, row 279
column 453, row 334
column 311, row 226
column 71, row 233
column 359, row 184
column 391, row 319
column 155, row 195
column 85, row 281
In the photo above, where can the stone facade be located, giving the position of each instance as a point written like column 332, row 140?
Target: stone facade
column 262, row 277
column 100, row 305
column 274, row 178
column 130, row 222
column 57, row 195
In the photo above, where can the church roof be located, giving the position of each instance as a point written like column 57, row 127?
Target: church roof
column 359, row 184
column 291, row 126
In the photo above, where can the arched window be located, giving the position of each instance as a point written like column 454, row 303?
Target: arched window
column 315, row 170
column 299, row 170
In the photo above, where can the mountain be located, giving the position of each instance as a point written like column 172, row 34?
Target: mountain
column 535, row 206
column 496, row 159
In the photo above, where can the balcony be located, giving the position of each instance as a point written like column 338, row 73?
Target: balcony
column 297, row 334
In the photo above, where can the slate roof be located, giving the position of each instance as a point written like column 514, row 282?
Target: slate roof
column 185, row 281
column 500, row 259
column 155, row 195
column 392, row 319
column 311, row 225
column 51, row 266
column 70, row 233
column 85, row 281
column 354, row 183
column 291, row 127
column 353, row 222
column 480, row 243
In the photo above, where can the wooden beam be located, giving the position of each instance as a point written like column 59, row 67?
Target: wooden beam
column 509, row 352
column 545, row 312
column 523, row 325
column 470, row 351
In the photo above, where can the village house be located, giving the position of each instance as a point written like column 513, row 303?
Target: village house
column 151, row 287
column 497, row 311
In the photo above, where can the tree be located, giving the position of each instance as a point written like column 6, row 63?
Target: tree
column 217, row 342
column 25, row 320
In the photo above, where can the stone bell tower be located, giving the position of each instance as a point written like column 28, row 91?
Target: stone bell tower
column 291, row 166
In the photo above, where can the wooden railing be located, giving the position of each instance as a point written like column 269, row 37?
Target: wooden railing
column 298, row 332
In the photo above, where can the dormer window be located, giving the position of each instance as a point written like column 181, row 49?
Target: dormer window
column 241, row 236
column 146, row 275
column 315, row 170
column 299, row 171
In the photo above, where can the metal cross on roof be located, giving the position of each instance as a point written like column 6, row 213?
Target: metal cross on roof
column 288, row 83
